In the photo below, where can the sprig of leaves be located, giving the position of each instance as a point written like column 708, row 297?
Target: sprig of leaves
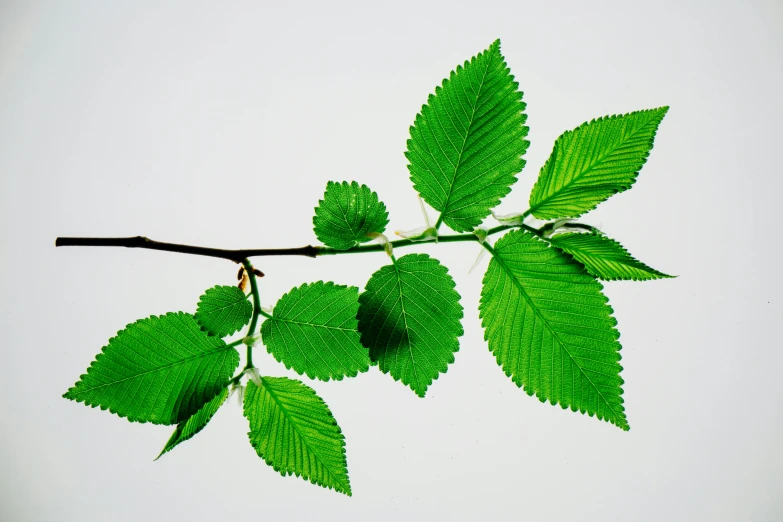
column 546, row 319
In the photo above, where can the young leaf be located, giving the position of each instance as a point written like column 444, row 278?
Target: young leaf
column 467, row 143
column 197, row 422
column 223, row 310
column 592, row 162
column 293, row 430
column 347, row 214
column 550, row 327
column 604, row 258
column 160, row 370
column 409, row 318
column 313, row 331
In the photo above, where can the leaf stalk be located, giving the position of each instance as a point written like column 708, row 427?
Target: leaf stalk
column 251, row 330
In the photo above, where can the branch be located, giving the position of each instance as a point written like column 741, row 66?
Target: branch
column 142, row 242
column 238, row 256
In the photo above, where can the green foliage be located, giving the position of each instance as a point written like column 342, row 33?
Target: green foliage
column 592, row 162
column 160, row 370
column 313, row 331
column 293, row 430
column 546, row 320
column 409, row 318
column 550, row 327
column 604, row 258
column 188, row 429
column 347, row 214
column 223, row 310
column 467, row 143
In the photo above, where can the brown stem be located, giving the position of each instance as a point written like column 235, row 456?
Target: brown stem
column 142, row 242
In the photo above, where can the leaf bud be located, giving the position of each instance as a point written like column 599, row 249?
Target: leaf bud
column 382, row 240
column 254, row 375
column 419, row 234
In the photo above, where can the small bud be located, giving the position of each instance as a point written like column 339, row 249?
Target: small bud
column 243, row 282
column 552, row 227
column 478, row 259
column 424, row 211
column 258, row 272
column 508, row 219
column 240, row 391
column 251, row 340
column 254, row 375
column 481, row 234
column 382, row 240
column 240, row 273
column 419, row 234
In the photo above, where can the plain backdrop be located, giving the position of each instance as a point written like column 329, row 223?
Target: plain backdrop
column 219, row 125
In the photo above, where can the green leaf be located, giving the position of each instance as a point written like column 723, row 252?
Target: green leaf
column 409, row 318
column 592, row 162
column 313, row 331
column 197, row 422
column 160, row 370
column 293, row 430
column 347, row 214
column 604, row 258
column 223, row 310
column 550, row 327
column 467, row 143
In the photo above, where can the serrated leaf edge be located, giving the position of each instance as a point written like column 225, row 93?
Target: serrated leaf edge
column 654, row 274
column 70, row 394
column 285, row 473
column 664, row 109
column 175, row 439
column 459, row 322
column 325, row 284
column 620, row 420
column 349, row 185
column 199, row 311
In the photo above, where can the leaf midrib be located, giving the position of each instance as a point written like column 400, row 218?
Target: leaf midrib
column 621, row 257
column 346, row 486
column 589, row 169
column 159, row 368
column 407, row 328
column 554, row 334
column 464, row 140
column 229, row 305
column 314, row 325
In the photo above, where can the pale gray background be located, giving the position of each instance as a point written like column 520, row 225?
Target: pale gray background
column 221, row 125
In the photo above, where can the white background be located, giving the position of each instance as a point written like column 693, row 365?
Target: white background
column 220, row 126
